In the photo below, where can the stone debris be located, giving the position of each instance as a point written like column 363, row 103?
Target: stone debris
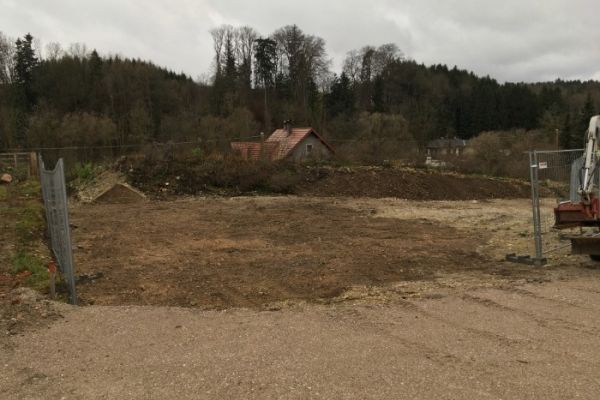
column 6, row 179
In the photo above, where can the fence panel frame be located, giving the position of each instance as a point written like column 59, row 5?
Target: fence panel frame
column 54, row 192
column 539, row 160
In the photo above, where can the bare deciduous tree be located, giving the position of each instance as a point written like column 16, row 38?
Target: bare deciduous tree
column 246, row 36
column 78, row 50
column 218, row 35
column 352, row 65
column 54, row 51
column 367, row 63
column 7, row 57
column 384, row 56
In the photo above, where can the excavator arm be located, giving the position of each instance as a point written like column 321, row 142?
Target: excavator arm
column 591, row 158
column 586, row 212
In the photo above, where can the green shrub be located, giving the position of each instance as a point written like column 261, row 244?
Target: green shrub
column 84, row 172
column 198, row 153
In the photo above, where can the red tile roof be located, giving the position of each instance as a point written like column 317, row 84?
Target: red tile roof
column 289, row 141
column 278, row 146
column 253, row 150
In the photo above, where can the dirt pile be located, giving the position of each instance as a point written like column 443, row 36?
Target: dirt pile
column 412, row 185
column 120, row 194
column 109, row 187
column 234, row 177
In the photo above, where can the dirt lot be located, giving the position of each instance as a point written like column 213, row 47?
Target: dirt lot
column 217, row 253
column 288, row 297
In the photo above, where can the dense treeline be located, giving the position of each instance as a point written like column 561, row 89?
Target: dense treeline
column 381, row 99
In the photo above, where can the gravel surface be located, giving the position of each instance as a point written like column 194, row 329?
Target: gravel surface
column 532, row 341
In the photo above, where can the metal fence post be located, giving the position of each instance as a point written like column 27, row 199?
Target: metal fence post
column 535, row 202
column 54, row 192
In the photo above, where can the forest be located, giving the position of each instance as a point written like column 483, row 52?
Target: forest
column 381, row 101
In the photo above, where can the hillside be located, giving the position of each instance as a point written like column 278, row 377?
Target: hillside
column 382, row 100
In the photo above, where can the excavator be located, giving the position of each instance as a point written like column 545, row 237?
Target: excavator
column 585, row 212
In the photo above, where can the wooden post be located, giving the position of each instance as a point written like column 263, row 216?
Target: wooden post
column 33, row 164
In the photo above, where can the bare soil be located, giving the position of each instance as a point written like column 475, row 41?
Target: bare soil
column 217, row 253
column 523, row 342
column 367, row 299
column 168, row 178
column 412, row 185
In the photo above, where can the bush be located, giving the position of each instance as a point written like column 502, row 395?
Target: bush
column 284, row 182
column 84, row 172
column 502, row 153
column 215, row 173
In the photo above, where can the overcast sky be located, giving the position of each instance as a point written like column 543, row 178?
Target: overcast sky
column 511, row 40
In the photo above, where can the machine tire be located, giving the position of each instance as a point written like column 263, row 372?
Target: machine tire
column 595, row 257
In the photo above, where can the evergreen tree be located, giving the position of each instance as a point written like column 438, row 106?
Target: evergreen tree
column 340, row 99
column 566, row 136
column 25, row 64
column 265, row 66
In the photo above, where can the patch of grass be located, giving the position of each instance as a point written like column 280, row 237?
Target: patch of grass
column 30, row 224
column 22, row 217
column 25, row 211
column 24, row 262
column 198, row 153
column 30, row 188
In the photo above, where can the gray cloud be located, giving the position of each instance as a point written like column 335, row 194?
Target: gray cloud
column 511, row 40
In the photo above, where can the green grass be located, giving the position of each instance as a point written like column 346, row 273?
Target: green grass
column 30, row 224
column 23, row 213
column 31, row 189
column 26, row 210
column 25, row 262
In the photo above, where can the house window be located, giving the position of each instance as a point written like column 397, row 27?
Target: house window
column 309, row 148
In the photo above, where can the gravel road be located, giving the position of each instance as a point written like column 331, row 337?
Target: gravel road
column 532, row 341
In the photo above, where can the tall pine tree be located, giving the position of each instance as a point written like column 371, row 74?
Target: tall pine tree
column 24, row 96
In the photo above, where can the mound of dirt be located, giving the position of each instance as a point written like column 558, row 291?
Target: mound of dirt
column 412, row 185
column 90, row 191
column 109, row 187
column 234, row 178
column 120, row 194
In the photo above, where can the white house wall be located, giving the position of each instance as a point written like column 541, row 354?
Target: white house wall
column 319, row 150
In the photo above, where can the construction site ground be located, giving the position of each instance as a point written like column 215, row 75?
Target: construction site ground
column 310, row 297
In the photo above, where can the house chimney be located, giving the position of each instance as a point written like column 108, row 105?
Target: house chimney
column 287, row 126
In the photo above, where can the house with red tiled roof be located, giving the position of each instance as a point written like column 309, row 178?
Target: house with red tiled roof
column 293, row 144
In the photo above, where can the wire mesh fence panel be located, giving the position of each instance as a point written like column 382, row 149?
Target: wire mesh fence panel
column 54, row 192
column 21, row 164
column 554, row 178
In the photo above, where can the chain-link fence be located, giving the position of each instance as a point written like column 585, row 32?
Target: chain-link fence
column 554, row 173
column 54, row 191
